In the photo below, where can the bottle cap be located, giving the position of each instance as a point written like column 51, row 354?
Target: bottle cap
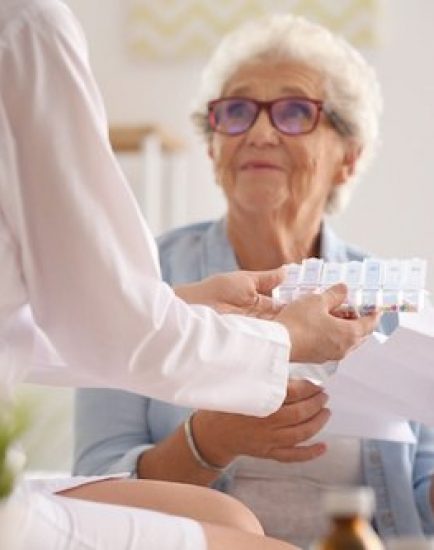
column 351, row 501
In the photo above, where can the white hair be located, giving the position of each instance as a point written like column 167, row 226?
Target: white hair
column 352, row 92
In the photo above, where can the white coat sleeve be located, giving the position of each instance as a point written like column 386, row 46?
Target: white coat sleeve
column 88, row 260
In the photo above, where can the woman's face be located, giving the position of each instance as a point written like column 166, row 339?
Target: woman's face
column 264, row 170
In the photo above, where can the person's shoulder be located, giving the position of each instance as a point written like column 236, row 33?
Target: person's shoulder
column 30, row 11
column 337, row 249
column 186, row 235
column 48, row 20
column 181, row 250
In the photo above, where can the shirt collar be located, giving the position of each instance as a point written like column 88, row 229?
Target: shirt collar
column 217, row 253
column 332, row 248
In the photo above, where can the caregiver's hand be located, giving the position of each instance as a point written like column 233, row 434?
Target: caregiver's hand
column 317, row 335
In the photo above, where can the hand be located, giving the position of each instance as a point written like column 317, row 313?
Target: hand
column 317, row 335
column 221, row 437
column 242, row 292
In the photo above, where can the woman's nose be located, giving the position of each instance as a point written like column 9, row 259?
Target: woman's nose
column 263, row 133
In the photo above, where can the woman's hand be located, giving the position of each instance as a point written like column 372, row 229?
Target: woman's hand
column 221, row 437
column 242, row 292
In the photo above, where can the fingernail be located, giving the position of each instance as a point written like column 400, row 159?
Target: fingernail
column 322, row 448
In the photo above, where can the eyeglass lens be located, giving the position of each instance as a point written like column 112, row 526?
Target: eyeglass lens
column 289, row 115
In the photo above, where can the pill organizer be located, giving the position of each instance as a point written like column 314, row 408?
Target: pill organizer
column 373, row 284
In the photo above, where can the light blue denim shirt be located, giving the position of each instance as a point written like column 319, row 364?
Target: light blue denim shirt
column 114, row 427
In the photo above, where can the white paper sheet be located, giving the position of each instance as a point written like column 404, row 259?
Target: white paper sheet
column 380, row 386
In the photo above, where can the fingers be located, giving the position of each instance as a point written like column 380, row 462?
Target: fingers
column 265, row 281
column 347, row 334
column 301, row 389
column 302, row 453
column 335, row 296
column 286, row 439
column 367, row 323
column 353, row 332
column 264, row 308
column 300, row 412
column 345, row 313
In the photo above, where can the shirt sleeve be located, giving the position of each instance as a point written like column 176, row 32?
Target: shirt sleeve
column 111, row 431
column 88, row 260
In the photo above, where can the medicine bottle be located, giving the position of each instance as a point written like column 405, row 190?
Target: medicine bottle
column 349, row 511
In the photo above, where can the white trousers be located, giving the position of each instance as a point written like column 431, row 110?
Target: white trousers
column 38, row 520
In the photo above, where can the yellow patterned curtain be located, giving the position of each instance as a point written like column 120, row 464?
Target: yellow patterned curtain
column 181, row 29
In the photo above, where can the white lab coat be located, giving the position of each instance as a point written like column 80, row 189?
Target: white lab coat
column 79, row 276
column 74, row 247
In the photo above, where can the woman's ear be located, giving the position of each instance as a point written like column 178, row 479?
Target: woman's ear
column 348, row 166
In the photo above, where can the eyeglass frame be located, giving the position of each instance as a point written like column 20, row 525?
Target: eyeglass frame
column 337, row 122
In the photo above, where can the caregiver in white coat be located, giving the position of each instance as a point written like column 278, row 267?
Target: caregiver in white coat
column 82, row 302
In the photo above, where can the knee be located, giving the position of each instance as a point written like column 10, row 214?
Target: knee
column 236, row 515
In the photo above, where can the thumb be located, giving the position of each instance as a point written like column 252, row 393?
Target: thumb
column 335, row 296
column 265, row 281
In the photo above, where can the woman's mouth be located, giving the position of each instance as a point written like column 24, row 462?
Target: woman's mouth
column 260, row 165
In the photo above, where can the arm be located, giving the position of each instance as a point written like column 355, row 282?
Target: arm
column 117, row 432
column 221, row 437
column 87, row 260
column 111, row 431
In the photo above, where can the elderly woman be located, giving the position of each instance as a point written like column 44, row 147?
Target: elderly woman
column 290, row 116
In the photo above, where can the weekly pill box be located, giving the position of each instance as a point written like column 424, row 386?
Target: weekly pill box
column 373, row 284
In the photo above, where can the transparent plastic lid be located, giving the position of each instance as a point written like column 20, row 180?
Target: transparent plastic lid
column 415, row 273
column 373, row 273
column 311, row 270
column 292, row 274
column 353, row 273
column 393, row 275
column 332, row 273
column 351, row 501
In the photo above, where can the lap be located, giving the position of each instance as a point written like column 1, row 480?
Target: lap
column 180, row 499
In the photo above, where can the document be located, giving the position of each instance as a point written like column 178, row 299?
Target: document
column 382, row 384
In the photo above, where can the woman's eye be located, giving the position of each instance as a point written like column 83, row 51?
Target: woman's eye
column 237, row 110
column 296, row 110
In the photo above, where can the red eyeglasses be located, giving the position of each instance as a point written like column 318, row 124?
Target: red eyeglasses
column 290, row 115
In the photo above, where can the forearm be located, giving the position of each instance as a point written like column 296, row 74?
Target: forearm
column 189, row 293
column 172, row 460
